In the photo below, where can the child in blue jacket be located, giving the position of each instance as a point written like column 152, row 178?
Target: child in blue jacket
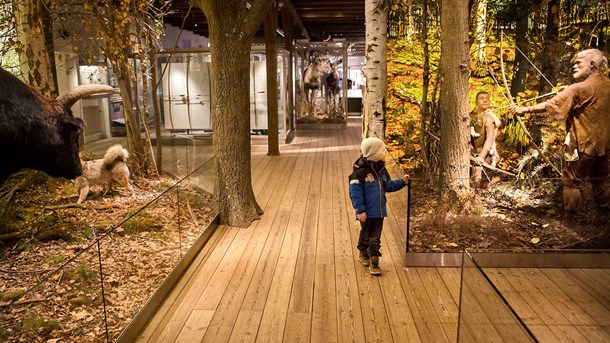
column 368, row 184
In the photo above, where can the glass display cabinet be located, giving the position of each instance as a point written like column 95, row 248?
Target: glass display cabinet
column 186, row 91
column 320, row 88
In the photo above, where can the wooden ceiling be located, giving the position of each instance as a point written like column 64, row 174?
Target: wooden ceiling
column 323, row 20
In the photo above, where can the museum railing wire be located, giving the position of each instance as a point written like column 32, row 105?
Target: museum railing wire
column 91, row 291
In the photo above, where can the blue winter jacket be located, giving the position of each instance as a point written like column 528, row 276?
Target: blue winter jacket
column 368, row 184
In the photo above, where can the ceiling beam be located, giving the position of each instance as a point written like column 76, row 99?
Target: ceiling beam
column 295, row 16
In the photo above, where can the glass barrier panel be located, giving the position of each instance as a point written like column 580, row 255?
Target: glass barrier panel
column 397, row 207
column 138, row 255
column 182, row 154
column 197, row 192
column 141, row 253
column 484, row 316
column 60, row 296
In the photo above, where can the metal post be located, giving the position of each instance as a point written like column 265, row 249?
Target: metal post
column 408, row 214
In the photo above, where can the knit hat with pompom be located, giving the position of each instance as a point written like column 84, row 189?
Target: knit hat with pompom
column 373, row 149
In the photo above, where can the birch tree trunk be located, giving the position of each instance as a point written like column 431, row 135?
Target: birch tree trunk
column 480, row 23
column 36, row 55
column 376, row 15
column 425, row 85
column 454, row 100
column 232, row 27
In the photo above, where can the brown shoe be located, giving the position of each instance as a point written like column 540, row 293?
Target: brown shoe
column 364, row 259
column 374, row 267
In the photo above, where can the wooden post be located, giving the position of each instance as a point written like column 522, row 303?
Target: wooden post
column 288, row 45
column 270, row 25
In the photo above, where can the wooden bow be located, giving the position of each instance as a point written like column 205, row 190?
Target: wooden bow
column 511, row 101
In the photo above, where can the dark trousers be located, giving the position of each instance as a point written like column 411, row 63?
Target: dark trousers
column 370, row 236
column 591, row 168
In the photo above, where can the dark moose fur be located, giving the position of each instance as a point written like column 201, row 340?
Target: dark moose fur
column 35, row 132
column 38, row 133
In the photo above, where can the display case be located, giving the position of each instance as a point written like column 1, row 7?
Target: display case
column 186, row 91
column 137, row 99
column 92, row 109
column 320, row 88
column 258, row 93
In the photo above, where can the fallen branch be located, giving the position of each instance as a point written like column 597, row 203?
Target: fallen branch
column 43, row 236
column 77, row 205
column 24, row 271
column 24, row 302
column 55, row 207
column 14, row 236
column 107, row 206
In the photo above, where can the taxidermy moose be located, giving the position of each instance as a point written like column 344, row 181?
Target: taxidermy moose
column 332, row 85
column 321, row 74
column 313, row 77
column 38, row 133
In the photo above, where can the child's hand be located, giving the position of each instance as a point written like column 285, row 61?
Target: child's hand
column 406, row 178
column 361, row 216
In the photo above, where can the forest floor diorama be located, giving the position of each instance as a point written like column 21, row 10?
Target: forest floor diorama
column 506, row 216
column 37, row 239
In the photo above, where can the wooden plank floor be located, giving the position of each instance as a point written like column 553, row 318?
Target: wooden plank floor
column 293, row 276
column 558, row 305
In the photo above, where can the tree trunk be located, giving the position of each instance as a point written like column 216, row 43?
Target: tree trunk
column 273, row 144
column 376, row 14
column 454, row 100
column 36, row 55
column 480, row 30
column 132, row 125
column 157, row 108
column 232, row 27
column 150, row 156
column 423, row 111
column 411, row 23
column 550, row 50
column 521, row 42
